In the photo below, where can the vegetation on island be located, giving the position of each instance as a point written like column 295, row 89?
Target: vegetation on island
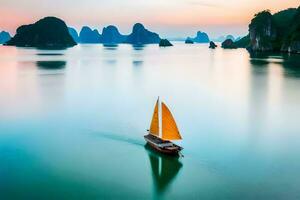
column 243, row 42
column 277, row 32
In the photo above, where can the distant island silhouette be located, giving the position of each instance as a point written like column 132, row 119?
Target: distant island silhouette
column 74, row 34
column 4, row 37
column 189, row 41
column 279, row 32
column 49, row 32
column 223, row 38
column 201, row 37
column 110, row 35
column 140, row 35
column 87, row 35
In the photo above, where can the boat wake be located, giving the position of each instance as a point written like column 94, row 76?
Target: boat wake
column 119, row 138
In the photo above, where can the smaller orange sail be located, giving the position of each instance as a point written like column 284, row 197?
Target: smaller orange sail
column 169, row 127
column 154, row 127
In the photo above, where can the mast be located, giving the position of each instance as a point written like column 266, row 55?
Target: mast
column 159, row 118
column 154, row 127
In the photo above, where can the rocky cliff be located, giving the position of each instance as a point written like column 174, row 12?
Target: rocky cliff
column 262, row 31
column 291, row 42
column 278, row 32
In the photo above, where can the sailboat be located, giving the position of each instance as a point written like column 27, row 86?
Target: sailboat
column 163, row 129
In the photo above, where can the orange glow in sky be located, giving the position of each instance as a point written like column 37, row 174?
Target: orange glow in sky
column 168, row 17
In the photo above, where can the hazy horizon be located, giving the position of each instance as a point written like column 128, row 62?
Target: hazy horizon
column 176, row 18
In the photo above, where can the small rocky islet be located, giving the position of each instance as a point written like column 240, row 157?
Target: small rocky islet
column 212, row 45
column 165, row 43
column 228, row 44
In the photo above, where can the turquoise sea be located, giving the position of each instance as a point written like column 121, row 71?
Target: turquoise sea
column 72, row 123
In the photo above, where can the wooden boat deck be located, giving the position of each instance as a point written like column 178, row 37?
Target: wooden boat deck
column 156, row 140
column 163, row 146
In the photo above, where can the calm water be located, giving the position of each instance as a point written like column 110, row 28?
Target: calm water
column 72, row 123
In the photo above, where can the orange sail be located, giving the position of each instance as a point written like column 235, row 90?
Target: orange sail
column 154, row 128
column 169, row 127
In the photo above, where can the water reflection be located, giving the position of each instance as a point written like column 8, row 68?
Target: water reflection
column 164, row 169
column 110, row 61
column 137, row 63
column 138, row 47
column 50, row 54
column 51, row 65
column 289, row 62
column 110, row 46
column 52, row 48
column 292, row 65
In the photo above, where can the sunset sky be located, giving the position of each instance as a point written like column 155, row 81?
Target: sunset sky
column 170, row 18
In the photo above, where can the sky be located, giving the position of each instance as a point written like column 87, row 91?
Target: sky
column 169, row 18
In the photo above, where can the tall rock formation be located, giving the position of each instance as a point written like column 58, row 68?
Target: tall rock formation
column 140, row 36
column 262, row 32
column 87, row 35
column 49, row 32
column 291, row 42
column 278, row 32
column 111, row 35
column 201, row 37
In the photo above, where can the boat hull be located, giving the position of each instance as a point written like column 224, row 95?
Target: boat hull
column 157, row 144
